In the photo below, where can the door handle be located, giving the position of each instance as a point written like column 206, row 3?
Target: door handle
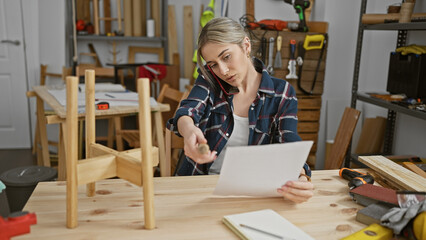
column 16, row 42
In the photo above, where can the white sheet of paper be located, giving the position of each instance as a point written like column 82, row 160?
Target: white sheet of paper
column 259, row 170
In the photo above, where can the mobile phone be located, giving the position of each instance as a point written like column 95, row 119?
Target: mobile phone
column 226, row 87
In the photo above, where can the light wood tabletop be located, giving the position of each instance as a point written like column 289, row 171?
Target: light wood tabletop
column 43, row 93
column 185, row 209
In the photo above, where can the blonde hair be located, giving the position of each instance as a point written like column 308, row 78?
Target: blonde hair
column 220, row 30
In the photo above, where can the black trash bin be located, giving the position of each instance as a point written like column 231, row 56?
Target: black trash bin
column 20, row 183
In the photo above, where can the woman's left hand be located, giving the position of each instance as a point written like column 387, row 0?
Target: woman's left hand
column 297, row 191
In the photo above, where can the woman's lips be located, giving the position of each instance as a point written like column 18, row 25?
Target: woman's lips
column 231, row 79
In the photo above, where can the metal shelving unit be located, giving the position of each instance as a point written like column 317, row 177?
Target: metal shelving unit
column 162, row 40
column 393, row 109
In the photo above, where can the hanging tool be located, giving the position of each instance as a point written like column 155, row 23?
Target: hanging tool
column 355, row 178
column 270, row 69
column 278, row 62
column 272, row 24
column 292, row 61
column 300, row 6
column 311, row 42
column 264, row 45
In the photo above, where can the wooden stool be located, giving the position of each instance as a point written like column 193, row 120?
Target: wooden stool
column 103, row 162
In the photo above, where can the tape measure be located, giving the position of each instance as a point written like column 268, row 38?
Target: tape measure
column 372, row 232
column 102, row 106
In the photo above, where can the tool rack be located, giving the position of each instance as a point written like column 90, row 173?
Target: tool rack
column 393, row 109
column 309, row 106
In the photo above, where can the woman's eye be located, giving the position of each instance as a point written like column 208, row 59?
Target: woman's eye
column 227, row 57
column 212, row 66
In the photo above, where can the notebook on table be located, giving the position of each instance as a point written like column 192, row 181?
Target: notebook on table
column 263, row 224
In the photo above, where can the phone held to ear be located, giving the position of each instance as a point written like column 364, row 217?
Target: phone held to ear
column 226, row 87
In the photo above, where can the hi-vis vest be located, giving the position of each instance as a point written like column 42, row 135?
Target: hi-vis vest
column 207, row 15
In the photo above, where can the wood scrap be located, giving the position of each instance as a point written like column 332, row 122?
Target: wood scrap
column 377, row 18
column 188, row 42
column 172, row 33
column 107, row 15
column 411, row 166
column 395, row 173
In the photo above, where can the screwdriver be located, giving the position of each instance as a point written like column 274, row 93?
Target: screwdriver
column 355, row 178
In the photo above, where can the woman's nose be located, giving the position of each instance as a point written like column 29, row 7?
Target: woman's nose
column 223, row 69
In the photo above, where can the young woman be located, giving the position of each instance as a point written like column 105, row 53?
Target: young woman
column 235, row 102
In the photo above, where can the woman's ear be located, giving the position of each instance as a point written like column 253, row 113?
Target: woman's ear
column 247, row 44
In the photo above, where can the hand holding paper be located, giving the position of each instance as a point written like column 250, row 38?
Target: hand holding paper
column 259, row 170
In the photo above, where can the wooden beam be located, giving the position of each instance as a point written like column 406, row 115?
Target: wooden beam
column 172, row 33
column 129, row 168
column 250, row 7
column 188, row 48
column 94, row 169
column 395, row 172
column 411, row 166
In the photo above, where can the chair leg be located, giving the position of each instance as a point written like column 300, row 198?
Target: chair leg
column 41, row 120
column 118, row 136
column 71, row 153
column 80, row 138
column 164, row 167
column 36, row 140
column 110, row 138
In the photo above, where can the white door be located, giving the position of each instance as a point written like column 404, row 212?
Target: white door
column 14, row 117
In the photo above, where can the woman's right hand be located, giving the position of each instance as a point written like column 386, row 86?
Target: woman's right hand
column 193, row 136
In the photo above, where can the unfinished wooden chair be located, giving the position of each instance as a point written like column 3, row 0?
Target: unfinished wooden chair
column 41, row 142
column 343, row 139
column 103, row 162
column 167, row 95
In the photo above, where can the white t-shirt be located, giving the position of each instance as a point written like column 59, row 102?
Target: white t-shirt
column 239, row 137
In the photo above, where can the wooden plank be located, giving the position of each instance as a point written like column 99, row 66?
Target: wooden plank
column 309, row 102
column 97, row 149
column 308, row 115
column 96, row 16
column 129, row 168
column 107, row 14
column 188, row 38
column 137, row 18
column 94, row 169
column 303, row 127
column 172, row 33
column 143, row 14
column 411, row 166
column 343, row 138
column 395, row 172
column 127, row 6
column 250, row 7
column 156, row 15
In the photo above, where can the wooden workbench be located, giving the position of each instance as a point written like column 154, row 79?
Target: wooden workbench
column 185, row 209
column 43, row 96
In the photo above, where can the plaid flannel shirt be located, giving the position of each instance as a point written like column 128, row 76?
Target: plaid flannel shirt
column 272, row 116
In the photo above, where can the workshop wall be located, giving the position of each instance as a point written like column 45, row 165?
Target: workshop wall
column 343, row 17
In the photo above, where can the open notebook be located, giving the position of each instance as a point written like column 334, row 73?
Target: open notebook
column 264, row 224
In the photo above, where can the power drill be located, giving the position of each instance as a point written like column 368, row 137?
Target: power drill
column 300, row 6
column 355, row 178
